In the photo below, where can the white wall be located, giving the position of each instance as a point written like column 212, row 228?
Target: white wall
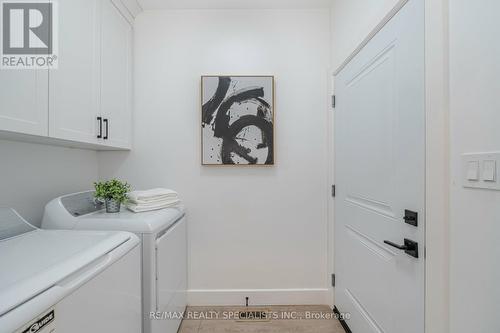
column 252, row 228
column 475, row 122
column 352, row 21
column 33, row 174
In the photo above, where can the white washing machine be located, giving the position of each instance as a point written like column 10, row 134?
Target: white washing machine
column 67, row 281
column 164, row 251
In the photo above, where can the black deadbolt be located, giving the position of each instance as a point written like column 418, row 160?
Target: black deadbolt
column 411, row 218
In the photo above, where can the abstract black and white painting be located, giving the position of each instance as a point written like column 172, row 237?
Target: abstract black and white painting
column 237, row 120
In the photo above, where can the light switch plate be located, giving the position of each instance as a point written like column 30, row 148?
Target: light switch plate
column 480, row 170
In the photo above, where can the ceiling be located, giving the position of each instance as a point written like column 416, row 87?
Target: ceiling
column 233, row 4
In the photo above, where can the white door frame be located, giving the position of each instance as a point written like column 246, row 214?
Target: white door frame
column 437, row 161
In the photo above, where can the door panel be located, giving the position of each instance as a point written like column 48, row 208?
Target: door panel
column 171, row 265
column 380, row 172
column 116, row 93
column 24, row 101
column 74, row 86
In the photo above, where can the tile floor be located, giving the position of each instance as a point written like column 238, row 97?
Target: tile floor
column 285, row 319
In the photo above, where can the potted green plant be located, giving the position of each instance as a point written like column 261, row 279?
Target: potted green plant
column 113, row 192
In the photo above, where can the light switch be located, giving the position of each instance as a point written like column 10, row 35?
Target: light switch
column 480, row 170
column 473, row 170
column 489, row 170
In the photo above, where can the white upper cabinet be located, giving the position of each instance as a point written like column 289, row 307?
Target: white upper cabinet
column 116, row 76
column 74, row 86
column 24, row 101
column 87, row 100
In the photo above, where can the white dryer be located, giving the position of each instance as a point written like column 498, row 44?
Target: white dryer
column 164, row 251
column 67, row 281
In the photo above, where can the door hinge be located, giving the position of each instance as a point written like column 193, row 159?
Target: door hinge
column 334, row 101
column 334, row 191
column 333, row 280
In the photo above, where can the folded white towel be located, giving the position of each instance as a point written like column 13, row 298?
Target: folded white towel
column 154, row 199
column 137, row 208
column 153, row 195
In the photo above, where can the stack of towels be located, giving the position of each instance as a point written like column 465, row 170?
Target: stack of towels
column 157, row 198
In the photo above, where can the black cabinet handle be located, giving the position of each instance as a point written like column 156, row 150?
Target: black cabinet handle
column 106, row 123
column 99, row 119
column 410, row 247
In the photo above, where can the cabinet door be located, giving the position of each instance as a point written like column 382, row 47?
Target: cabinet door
column 74, row 86
column 23, row 101
column 116, row 99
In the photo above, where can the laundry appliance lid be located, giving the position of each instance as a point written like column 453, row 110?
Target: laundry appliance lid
column 80, row 211
column 36, row 260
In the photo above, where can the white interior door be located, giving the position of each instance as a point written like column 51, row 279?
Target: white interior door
column 380, row 173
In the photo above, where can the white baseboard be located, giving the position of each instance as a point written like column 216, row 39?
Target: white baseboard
column 200, row 297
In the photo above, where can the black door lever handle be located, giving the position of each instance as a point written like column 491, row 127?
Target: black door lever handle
column 410, row 247
column 400, row 247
